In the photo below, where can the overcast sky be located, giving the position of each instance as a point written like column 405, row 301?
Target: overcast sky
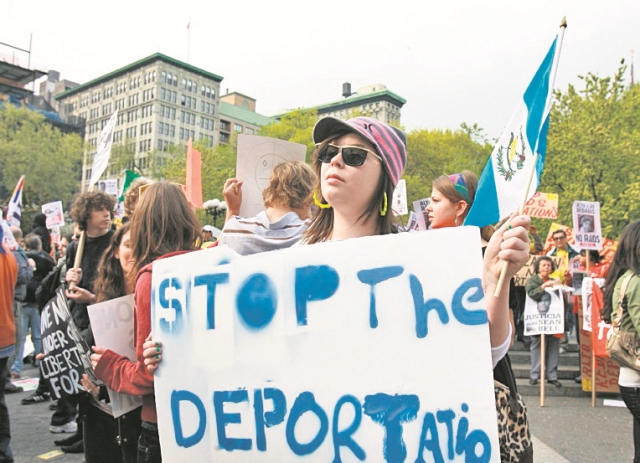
column 453, row 61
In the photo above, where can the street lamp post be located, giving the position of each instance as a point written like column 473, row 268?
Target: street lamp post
column 215, row 207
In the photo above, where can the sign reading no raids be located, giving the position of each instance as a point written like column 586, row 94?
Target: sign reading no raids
column 360, row 350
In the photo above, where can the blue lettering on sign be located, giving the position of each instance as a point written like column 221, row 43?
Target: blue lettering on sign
column 373, row 277
column 343, row 438
column 272, row 418
column 391, row 411
column 222, row 418
column 423, row 307
column 306, row 402
column 176, row 398
column 431, row 443
column 172, row 322
column 446, row 417
column 313, row 283
column 211, row 281
column 257, row 301
column 469, row 317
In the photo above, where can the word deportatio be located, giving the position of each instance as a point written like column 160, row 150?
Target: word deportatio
column 371, row 349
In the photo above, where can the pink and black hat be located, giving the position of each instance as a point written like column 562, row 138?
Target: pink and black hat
column 390, row 142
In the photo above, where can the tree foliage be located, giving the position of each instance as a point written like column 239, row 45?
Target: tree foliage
column 593, row 150
column 50, row 160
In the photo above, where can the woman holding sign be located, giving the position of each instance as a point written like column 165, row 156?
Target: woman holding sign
column 625, row 270
column 163, row 226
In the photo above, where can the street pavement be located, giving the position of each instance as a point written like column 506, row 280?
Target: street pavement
column 566, row 429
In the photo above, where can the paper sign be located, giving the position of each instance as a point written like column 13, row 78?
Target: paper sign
column 67, row 355
column 327, row 352
column 412, row 222
column 542, row 205
column 586, row 225
column 103, row 152
column 109, row 186
column 545, row 316
column 112, row 324
column 257, row 156
column 55, row 216
column 586, row 300
column 400, row 198
column 527, row 270
column 420, row 208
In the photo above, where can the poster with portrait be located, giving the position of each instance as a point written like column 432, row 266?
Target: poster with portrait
column 586, row 225
column 545, row 316
column 109, row 186
column 587, row 284
column 420, row 208
column 256, row 158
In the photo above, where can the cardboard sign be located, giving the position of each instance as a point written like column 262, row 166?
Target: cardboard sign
column 400, row 198
column 67, row 355
column 545, row 316
column 112, row 324
column 327, row 352
column 420, row 208
column 55, row 216
column 256, row 158
column 542, row 205
column 527, row 270
column 586, row 225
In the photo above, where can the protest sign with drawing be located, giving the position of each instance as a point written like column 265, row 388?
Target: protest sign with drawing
column 399, row 201
column 586, row 225
column 67, row 354
column 545, row 316
column 256, row 158
column 54, row 214
column 113, row 328
column 586, row 292
column 327, row 352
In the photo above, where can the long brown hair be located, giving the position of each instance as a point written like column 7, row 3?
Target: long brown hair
column 111, row 281
column 162, row 223
column 322, row 223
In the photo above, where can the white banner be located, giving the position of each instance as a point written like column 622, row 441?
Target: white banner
column 101, row 157
column 113, row 328
column 327, row 352
column 545, row 316
column 586, row 225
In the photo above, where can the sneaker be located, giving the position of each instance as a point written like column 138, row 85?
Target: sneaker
column 71, row 426
column 10, row 388
column 36, row 398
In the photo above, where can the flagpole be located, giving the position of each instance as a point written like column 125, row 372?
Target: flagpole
column 552, row 79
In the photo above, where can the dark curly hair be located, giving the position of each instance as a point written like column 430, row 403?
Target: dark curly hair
column 111, row 281
column 84, row 203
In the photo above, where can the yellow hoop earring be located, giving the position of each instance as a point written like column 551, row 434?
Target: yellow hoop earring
column 317, row 202
column 383, row 209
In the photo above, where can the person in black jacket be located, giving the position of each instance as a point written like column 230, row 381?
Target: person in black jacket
column 40, row 229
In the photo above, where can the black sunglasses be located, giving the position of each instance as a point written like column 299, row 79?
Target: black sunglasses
column 353, row 156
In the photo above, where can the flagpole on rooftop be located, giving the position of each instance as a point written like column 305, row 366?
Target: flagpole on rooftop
column 552, row 79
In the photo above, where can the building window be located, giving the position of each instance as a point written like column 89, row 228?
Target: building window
column 237, row 128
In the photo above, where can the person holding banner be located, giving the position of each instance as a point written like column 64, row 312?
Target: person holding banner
column 626, row 266
column 164, row 225
column 535, row 288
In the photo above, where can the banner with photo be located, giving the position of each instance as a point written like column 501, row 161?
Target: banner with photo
column 545, row 316
column 586, row 225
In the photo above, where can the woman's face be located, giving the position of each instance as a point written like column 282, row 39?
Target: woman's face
column 63, row 246
column 350, row 189
column 544, row 268
column 442, row 212
column 124, row 254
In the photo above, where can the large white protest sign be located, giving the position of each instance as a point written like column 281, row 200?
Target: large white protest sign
column 586, row 225
column 256, row 158
column 54, row 214
column 112, row 325
column 101, row 157
column 545, row 316
column 342, row 351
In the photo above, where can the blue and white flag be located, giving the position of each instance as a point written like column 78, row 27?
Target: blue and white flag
column 504, row 181
column 14, row 208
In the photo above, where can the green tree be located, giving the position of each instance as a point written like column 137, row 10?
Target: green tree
column 50, row 160
column 593, row 151
column 296, row 127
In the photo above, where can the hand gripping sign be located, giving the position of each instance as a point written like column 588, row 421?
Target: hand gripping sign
column 372, row 349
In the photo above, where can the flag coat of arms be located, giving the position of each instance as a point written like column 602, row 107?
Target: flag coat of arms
column 503, row 184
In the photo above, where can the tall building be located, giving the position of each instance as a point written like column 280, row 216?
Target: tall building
column 160, row 101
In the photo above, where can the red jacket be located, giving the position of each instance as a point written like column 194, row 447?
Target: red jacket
column 123, row 375
column 8, row 278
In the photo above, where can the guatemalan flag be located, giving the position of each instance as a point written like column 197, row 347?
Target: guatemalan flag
column 502, row 186
column 14, row 209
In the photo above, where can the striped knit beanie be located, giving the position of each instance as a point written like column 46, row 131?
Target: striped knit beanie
column 390, row 142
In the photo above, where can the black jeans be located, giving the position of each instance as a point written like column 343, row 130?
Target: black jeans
column 631, row 397
column 149, row 444
column 5, row 433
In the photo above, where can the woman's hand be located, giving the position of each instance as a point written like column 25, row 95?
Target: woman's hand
column 80, row 295
column 232, row 192
column 74, row 275
column 152, row 353
column 510, row 244
column 90, row 386
column 97, row 355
